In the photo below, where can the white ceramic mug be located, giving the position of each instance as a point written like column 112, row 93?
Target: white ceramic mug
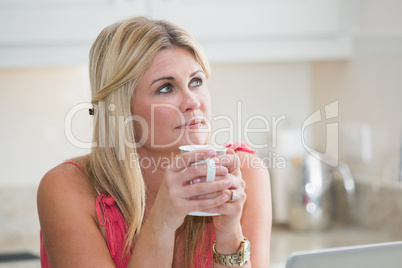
column 220, row 150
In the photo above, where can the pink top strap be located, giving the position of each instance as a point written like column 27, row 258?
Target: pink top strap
column 44, row 261
column 240, row 146
column 75, row 164
column 82, row 169
column 115, row 226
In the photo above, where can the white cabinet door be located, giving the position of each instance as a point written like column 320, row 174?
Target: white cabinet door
column 250, row 19
column 235, row 30
column 42, row 32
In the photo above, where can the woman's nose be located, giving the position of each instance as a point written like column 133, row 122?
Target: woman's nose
column 190, row 102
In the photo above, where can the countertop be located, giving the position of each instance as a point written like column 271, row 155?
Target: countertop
column 285, row 241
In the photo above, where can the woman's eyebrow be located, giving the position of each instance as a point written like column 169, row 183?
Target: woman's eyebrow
column 196, row 72
column 171, row 78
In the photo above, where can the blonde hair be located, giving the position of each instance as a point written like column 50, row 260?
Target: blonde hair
column 120, row 55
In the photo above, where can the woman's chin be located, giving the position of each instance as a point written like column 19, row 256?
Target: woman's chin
column 194, row 139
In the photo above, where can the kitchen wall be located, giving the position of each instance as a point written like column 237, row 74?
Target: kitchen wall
column 369, row 90
column 33, row 107
column 261, row 99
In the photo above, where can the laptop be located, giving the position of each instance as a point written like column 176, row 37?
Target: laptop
column 383, row 255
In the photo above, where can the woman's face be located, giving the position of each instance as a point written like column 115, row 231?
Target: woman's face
column 171, row 104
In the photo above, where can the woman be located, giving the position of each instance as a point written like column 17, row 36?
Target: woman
column 126, row 203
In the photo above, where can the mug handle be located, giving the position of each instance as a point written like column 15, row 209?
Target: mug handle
column 210, row 169
column 210, row 177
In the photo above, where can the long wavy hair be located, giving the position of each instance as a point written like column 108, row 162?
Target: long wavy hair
column 120, row 55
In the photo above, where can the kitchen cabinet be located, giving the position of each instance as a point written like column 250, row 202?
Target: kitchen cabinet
column 263, row 30
column 223, row 19
column 54, row 32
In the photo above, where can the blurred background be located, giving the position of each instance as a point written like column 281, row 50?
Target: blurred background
column 319, row 76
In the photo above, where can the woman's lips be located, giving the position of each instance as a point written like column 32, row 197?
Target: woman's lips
column 192, row 124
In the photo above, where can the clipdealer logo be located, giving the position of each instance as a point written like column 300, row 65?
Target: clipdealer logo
column 330, row 156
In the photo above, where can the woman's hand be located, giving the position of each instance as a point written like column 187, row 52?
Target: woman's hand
column 177, row 197
column 231, row 211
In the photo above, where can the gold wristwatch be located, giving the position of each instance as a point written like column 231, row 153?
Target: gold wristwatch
column 240, row 258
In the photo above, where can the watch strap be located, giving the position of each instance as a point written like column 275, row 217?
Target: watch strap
column 240, row 258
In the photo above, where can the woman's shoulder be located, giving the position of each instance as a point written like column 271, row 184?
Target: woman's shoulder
column 70, row 172
column 66, row 181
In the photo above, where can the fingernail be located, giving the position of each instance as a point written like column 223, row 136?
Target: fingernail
column 198, row 180
column 211, row 153
column 225, row 170
column 224, row 198
column 217, row 160
column 227, row 183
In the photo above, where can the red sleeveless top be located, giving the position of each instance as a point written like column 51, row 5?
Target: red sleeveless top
column 116, row 227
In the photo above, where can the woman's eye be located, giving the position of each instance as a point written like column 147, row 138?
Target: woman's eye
column 196, row 82
column 165, row 89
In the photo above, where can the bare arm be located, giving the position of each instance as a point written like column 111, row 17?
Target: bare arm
column 257, row 211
